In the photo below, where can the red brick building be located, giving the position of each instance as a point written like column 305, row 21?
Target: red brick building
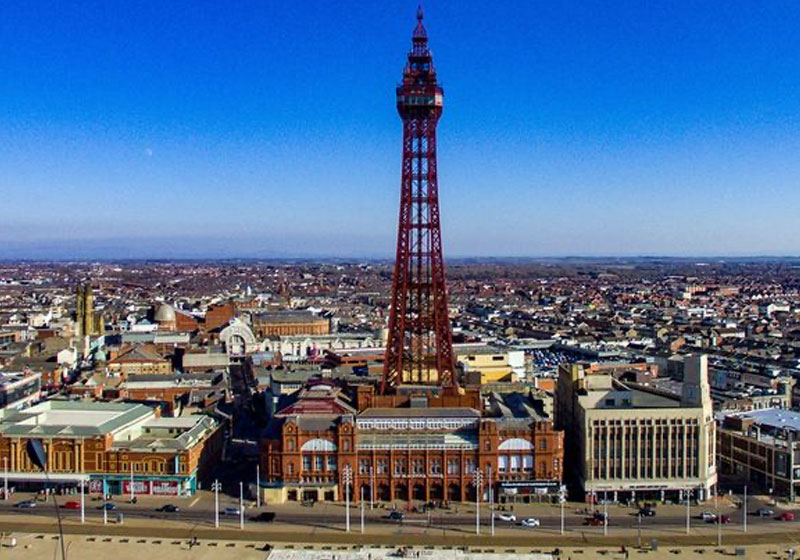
column 407, row 452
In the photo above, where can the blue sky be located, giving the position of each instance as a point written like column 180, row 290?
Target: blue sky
column 260, row 128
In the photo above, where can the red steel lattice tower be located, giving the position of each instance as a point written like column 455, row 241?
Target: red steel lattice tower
column 419, row 349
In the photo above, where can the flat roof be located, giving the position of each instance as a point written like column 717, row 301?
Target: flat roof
column 78, row 418
column 775, row 417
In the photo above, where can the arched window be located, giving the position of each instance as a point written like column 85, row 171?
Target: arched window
column 516, row 444
column 318, row 444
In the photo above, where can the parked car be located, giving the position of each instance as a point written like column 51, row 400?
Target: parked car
column 396, row 516
column 25, row 504
column 707, row 516
column 786, row 516
column 169, row 508
column 264, row 517
column 647, row 512
column 530, row 522
column 594, row 521
column 507, row 517
column 764, row 512
column 108, row 506
column 723, row 519
column 231, row 511
column 71, row 505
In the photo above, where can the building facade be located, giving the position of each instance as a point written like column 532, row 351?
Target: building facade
column 626, row 442
column 109, row 446
column 761, row 448
column 415, row 453
column 286, row 323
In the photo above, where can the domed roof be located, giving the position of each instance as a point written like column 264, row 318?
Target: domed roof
column 165, row 314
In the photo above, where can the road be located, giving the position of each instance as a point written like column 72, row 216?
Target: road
column 201, row 512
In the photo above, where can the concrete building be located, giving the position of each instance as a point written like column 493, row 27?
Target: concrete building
column 111, row 445
column 626, row 440
column 19, row 389
column 490, row 364
column 761, row 448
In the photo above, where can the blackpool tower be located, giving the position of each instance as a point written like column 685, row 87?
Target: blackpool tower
column 419, row 350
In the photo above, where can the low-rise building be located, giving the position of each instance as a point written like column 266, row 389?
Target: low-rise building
column 762, row 448
column 19, row 389
column 108, row 446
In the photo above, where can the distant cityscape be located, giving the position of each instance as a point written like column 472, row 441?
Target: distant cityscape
column 563, row 401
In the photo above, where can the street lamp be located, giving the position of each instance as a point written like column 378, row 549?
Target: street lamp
column 744, row 509
column 562, row 498
column 83, row 509
column 5, row 479
column 216, row 487
column 478, row 480
column 347, row 473
column 605, row 513
column 241, row 505
column 688, row 492
column 362, row 510
column 258, row 485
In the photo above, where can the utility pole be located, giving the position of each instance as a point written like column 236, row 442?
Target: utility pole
column 241, row 505
column 216, row 487
column 348, row 479
column 478, row 479
column 258, row 485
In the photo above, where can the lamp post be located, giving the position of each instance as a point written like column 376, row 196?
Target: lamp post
column 347, row 473
column 105, row 502
column 744, row 509
column 83, row 505
column 718, row 519
column 562, row 498
column 258, row 485
column 688, row 510
column 133, row 496
column 605, row 513
column 241, row 505
column 371, row 487
column 216, row 487
column 5, row 479
column 362, row 510
column 491, row 496
column 478, row 479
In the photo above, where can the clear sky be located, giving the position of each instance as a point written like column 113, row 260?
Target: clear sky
column 268, row 128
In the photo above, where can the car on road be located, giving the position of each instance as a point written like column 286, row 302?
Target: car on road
column 396, row 516
column 71, row 505
column 707, row 516
column 647, row 512
column 786, row 516
column 25, row 504
column 764, row 512
column 169, row 508
column 593, row 521
column 507, row 517
column 530, row 522
column 231, row 511
column 264, row 517
column 108, row 506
